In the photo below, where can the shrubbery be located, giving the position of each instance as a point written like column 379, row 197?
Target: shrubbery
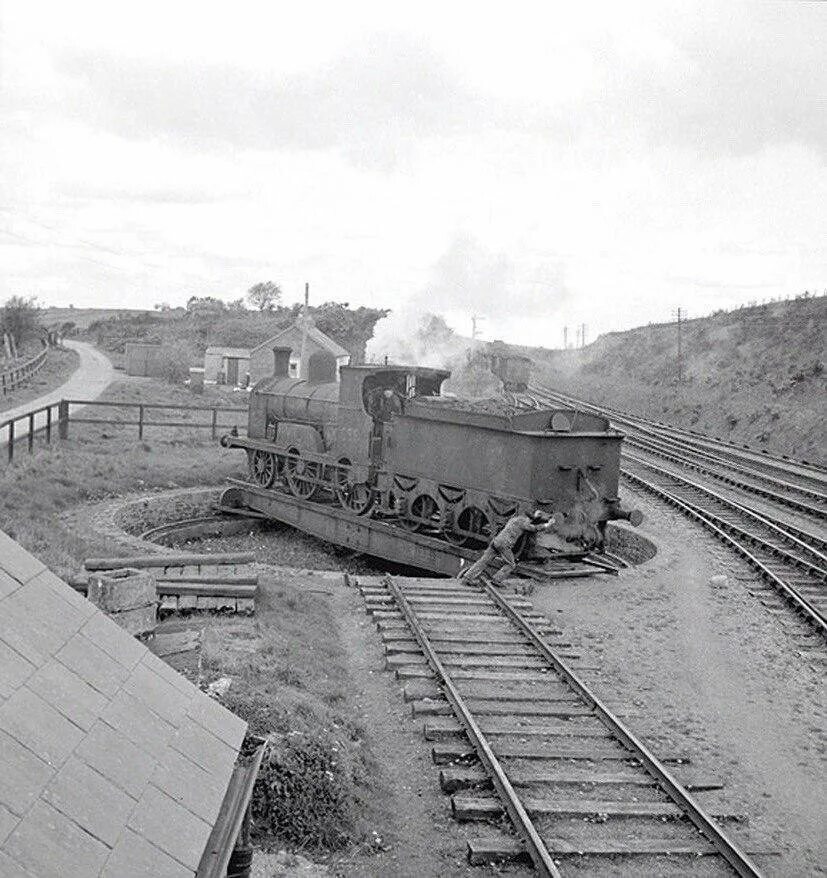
column 305, row 793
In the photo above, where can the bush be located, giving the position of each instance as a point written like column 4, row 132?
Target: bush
column 304, row 795
column 173, row 364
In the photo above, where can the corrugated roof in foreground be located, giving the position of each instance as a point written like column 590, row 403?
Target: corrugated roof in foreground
column 111, row 763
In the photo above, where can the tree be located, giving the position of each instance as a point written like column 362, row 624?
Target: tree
column 264, row 296
column 351, row 328
column 20, row 319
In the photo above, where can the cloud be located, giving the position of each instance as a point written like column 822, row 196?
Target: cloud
column 369, row 103
column 734, row 78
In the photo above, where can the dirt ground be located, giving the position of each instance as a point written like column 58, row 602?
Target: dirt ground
column 717, row 674
column 703, row 667
column 423, row 839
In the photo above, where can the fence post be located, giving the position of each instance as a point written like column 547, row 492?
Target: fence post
column 140, row 422
column 49, row 425
column 63, row 419
column 31, row 432
column 11, row 440
column 214, row 422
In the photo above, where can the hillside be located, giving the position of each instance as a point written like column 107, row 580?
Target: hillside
column 83, row 318
column 754, row 375
column 184, row 336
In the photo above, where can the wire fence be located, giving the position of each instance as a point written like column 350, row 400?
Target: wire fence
column 57, row 419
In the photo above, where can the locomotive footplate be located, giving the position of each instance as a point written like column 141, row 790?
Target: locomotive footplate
column 384, row 539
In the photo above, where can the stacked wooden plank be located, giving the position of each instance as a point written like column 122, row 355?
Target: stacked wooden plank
column 190, row 582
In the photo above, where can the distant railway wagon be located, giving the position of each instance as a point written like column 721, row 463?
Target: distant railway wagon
column 382, row 441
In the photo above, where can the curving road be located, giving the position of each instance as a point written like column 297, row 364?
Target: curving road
column 90, row 379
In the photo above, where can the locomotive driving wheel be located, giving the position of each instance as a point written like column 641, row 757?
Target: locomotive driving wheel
column 359, row 497
column 423, row 512
column 263, row 467
column 302, row 475
column 471, row 526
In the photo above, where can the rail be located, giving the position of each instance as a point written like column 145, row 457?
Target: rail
column 10, row 379
column 533, row 725
column 719, row 527
column 43, row 421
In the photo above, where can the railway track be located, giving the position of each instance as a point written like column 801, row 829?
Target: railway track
column 518, row 733
column 769, row 478
column 796, row 568
column 791, row 559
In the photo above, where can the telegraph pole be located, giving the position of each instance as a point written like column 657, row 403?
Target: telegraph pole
column 303, row 355
column 680, row 346
column 583, row 328
column 565, row 338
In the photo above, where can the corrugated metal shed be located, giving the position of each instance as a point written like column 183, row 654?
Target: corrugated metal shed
column 111, row 763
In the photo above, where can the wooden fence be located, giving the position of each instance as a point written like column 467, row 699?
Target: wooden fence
column 42, row 422
column 12, row 378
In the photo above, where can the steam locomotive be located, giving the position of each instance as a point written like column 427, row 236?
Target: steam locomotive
column 383, row 441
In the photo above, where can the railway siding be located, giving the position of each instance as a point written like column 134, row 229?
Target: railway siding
column 790, row 558
column 573, row 779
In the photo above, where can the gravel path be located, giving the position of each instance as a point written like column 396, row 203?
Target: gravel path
column 715, row 673
column 90, row 379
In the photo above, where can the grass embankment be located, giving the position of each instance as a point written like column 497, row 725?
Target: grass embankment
column 104, row 461
column 60, row 364
column 754, row 375
column 290, row 682
column 289, row 673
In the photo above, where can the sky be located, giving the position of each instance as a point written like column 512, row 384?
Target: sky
column 538, row 165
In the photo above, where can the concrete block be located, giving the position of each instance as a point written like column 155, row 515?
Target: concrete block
column 138, row 723
column 91, row 800
column 119, row 590
column 24, row 775
column 158, row 694
column 33, row 722
column 50, row 845
column 7, row 584
column 114, row 641
column 141, row 620
column 14, row 670
column 135, row 857
column 215, row 718
column 96, row 667
column 123, row 762
column 67, row 692
column 171, row 827
column 204, row 748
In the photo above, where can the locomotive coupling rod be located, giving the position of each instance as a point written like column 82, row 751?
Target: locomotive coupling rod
column 736, row 858
column 516, row 811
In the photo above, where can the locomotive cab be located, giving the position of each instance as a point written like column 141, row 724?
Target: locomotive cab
column 369, row 397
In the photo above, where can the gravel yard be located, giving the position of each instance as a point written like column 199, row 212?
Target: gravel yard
column 682, row 642
column 712, row 671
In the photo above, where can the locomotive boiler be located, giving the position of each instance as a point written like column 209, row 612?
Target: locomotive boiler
column 382, row 441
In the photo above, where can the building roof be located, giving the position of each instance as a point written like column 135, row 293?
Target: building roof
column 112, row 764
column 241, row 353
column 322, row 340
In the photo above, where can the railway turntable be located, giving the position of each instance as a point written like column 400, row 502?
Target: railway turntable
column 381, row 461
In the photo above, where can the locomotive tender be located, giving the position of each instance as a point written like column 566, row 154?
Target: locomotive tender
column 383, row 441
